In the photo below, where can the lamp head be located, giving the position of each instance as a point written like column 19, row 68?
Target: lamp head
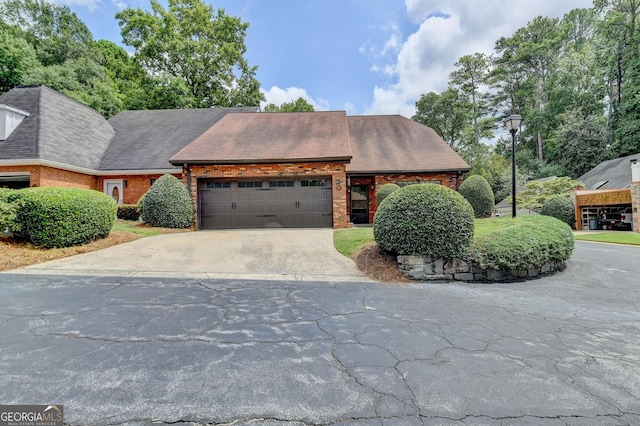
column 512, row 123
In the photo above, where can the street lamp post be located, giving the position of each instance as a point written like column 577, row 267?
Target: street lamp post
column 512, row 123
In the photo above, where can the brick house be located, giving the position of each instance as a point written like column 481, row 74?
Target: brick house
column 243, row 168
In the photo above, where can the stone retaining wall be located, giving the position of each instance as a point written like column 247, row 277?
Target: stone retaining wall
column 424, row 268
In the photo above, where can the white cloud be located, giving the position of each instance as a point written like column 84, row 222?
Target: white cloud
column 447, row 30
column 278, row 96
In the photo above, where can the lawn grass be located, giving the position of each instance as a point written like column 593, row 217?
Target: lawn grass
column 617, row 237
column 349, row 241
column 137, row 228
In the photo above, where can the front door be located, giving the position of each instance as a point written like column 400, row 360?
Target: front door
column 359, row 204
column 113, row 188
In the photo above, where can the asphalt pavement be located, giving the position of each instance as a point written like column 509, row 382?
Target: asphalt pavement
column 559, row 350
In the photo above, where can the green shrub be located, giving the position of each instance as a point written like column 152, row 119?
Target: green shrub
column 561, row 208
column 63, row 217
column 424, row 219
column 530, row 241
column 477, row 191
column 167, row 204
column 128, row 212
column 385, row 190
column 7, row 212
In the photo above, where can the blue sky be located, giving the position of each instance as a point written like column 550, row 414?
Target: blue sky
column 362, row 56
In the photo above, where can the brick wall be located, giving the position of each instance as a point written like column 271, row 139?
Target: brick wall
column 635, row 205
column 56, row 177
column 335, row 170
column 136, row 185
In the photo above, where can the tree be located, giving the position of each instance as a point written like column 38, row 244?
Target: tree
column 584, row 142
column 533, row 49
column 195, row 45
column 17, row 57
column 299, row 105
column 468, row 78
column 539, row 192
column 55, row 32
column 444, row 113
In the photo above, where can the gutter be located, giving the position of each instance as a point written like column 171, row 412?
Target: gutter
column 87, row 171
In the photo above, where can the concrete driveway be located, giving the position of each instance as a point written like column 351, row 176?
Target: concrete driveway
column 283, row 254
column 560, row 350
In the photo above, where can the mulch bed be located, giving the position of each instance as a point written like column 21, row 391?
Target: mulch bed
column 378, row 266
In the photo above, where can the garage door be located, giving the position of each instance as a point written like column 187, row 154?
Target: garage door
column 291, row 203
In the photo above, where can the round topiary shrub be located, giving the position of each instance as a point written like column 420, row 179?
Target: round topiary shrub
column 385, row 190
column 424, row 219
column 477, row 191
column 561, row 208
column 167, row 204
column 62, row 217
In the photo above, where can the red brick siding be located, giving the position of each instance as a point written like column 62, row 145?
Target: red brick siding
column 136, row 185
column 335, row 170
column 49, row 176
column 64, row 178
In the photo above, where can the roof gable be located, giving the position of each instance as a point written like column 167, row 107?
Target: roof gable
column 58, row 129
column 145, row 140
column 395, row 144
column 271, row 137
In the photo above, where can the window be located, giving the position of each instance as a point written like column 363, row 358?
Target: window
column 218, row 185
column 280, row 183
column 249, row 184
column 152, row 181
column 314, row 182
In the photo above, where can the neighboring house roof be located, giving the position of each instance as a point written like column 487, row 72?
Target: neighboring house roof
column 271, row 137
column 59, row 130
column 395, row 144
column 145, row 140
column 610, row 174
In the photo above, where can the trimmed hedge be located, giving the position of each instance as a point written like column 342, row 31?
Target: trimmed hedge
column 128, row 212
column 478, row 192
column 7, row 212
column 424, row 219
column 385, row 190
column 530, row 242
column 62, row 217
column 561, row 208
column 167, row 204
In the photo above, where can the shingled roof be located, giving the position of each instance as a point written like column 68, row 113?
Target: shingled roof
column 271, row 138
column 610, row 174
column 145, row 140
column 394, row 144
column 58, row 130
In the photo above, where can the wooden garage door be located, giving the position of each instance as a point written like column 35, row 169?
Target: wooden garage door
column 290, row 203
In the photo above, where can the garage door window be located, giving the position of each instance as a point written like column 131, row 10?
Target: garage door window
column 280, row 183
column 314, row 182
column 249, row 184
column 218, row 185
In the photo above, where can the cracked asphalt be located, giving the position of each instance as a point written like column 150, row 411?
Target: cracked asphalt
column 560, row 350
